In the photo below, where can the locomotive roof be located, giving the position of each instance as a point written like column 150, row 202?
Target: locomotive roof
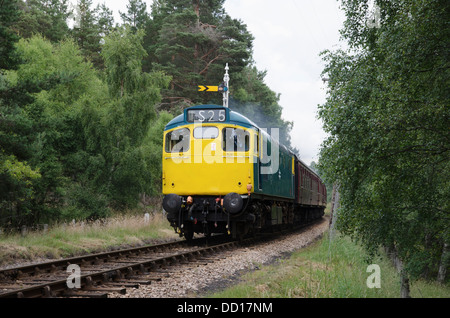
column 232, row 117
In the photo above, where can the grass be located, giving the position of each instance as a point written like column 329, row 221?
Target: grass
column 65, row 240
column 327, row 269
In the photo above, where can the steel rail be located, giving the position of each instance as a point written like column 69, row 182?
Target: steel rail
column 52, row 265
column 57, row 287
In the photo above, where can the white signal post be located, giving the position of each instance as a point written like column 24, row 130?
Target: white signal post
column 221, row 88
column 226, row 80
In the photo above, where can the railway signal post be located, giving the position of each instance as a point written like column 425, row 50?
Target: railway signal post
column 221, row 88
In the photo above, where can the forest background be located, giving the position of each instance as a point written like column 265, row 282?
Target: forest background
column 83, row 108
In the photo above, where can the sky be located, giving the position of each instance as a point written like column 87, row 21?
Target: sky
column 289, row 35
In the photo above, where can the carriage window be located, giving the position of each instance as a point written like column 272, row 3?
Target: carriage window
column 235, row 139
column 206, row 132
column 178, row 140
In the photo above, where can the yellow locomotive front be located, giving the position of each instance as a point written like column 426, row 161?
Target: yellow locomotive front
column 208, row 169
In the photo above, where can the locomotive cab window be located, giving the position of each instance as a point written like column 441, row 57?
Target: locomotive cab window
column 178, row 140
column 235, row 139
column 206, row 132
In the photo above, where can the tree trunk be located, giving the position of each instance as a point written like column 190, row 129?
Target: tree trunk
column 404, row 290
column 443, row 266
column 334, row 208
column 197, row 8
column 404, row 279
column 197, row 11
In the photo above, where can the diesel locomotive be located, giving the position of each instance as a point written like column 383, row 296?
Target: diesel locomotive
column 224, row 174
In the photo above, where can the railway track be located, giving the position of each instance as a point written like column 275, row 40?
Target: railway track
column 97, row 275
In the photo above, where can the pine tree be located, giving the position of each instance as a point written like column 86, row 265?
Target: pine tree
column 86, row 32
column 46, row 17
column 59, row 13
column 105, row 19
column 136, row 14
column 9, row 14
column 192, row 41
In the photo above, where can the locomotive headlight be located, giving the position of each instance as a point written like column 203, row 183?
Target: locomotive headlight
column 172, row 203
column 233, row 203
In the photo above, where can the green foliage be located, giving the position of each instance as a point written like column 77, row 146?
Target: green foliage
column 329, row 268
column 117, row 124
column 17, row 181
column 123, row 53
column 192, row 41
column 45, row 17
column 387, row 116
column 83, row 109
column 85, row 144
column 87, row 31
column 9, row 14
column 136, row 14
column 105, row 19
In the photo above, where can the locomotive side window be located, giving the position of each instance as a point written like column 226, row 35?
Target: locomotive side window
column 178, row 140
column 235, row 139
column 206, row 132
